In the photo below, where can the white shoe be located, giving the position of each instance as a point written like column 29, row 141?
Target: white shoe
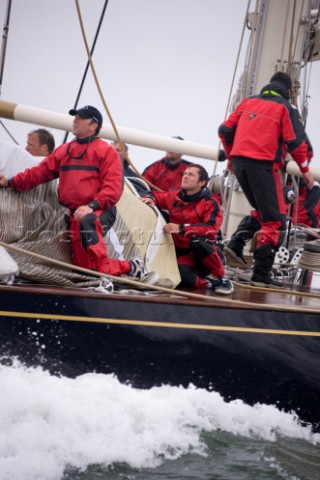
column 136, row 268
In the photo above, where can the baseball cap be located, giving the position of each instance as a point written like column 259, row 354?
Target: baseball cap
column 88, row 112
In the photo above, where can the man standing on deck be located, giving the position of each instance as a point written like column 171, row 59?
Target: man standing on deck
column 195, row 218
column 90, row 184
column 256, row 138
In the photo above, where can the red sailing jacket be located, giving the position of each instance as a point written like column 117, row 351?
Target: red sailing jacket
column 166, row 176
column 198, row 214
column 264, row 127
column 86, row 171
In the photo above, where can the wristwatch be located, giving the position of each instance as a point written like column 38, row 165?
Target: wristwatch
column 94, row 205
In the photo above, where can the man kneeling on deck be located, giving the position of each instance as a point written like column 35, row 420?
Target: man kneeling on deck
column 195, row 219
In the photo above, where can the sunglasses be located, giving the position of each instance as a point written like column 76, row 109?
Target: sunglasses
column 77, row 157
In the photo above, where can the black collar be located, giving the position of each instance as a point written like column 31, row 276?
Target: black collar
column 172, row 166
column 85, row 140
column 195, row 197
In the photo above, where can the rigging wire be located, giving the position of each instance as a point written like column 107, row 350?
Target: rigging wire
column 227, row 207
column 234, row 76
column 297, row 36
column 237, row 60
column 284, row 35
column 3, row 56
column 4, row 41
column 123, row 150
column 233, row 79
column 10, row 135
column 308, row 68
column 305, row 95
column 88, row 63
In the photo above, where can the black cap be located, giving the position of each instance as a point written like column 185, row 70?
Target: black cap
column 177, row 137
column 283, row 78
column 88, row 112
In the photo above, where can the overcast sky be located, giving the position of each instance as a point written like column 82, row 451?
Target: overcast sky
column 164, row 67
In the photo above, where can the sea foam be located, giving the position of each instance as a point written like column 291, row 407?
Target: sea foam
column 49, row 423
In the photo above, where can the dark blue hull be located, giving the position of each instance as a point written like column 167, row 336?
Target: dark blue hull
column 257, row 355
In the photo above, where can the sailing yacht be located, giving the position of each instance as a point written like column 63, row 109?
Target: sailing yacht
column 259, row 345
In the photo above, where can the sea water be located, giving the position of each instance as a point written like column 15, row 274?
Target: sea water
column 94, row 428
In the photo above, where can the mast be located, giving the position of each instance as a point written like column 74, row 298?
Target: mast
column 282, row 38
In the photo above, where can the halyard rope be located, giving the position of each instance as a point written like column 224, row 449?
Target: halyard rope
column 124, row 153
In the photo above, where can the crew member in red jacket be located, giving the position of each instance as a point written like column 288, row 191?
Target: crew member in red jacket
column 255, row 137
column 195, row 218
column 90, row 184
column 306, row 208
column 166, row 173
